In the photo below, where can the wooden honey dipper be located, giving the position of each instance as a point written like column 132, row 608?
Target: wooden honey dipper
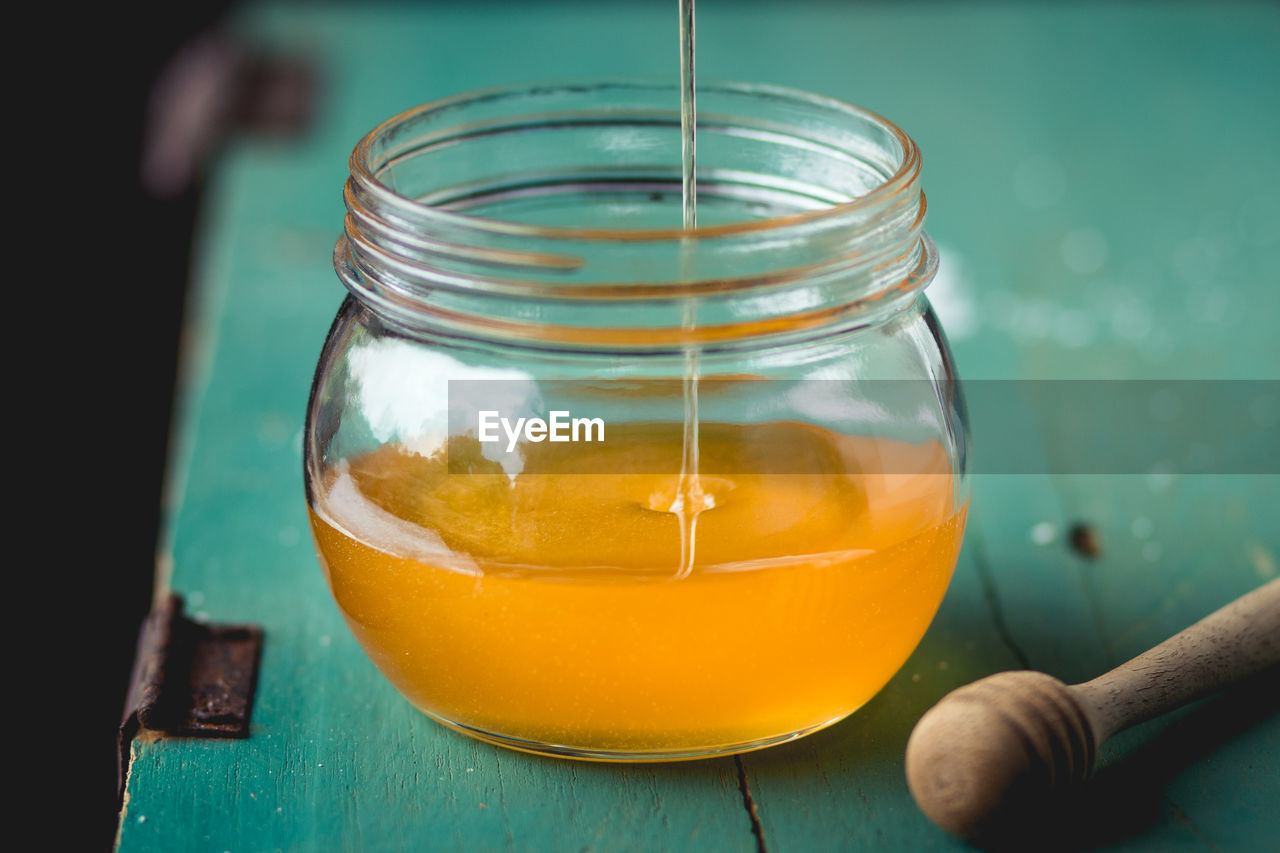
column 1008, row 746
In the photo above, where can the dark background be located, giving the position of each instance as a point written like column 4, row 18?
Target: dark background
column 126, row 261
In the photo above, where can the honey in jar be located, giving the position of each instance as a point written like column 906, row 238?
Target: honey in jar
column 682, row 589
column 547, row 607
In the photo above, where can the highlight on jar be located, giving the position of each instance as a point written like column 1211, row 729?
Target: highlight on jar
column 587, row 482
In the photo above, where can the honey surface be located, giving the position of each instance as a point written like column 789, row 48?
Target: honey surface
column 548, row 607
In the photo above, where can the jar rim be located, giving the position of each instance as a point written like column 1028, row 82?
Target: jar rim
column 903, row 179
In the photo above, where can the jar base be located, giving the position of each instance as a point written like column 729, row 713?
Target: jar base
column 631, row 756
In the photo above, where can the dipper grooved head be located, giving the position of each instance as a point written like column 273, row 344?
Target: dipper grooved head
column 998, row 752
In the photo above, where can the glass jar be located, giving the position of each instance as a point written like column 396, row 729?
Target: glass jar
column 760, row 527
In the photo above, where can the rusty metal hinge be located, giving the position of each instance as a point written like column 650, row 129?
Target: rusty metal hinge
column 190, row 679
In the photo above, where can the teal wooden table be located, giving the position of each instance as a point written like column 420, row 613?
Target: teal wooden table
column 1104, row 183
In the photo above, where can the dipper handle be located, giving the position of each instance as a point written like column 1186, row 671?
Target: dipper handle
column 1229, row 644
column 1005, row 746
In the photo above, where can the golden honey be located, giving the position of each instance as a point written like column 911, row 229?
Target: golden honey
column 548, row 610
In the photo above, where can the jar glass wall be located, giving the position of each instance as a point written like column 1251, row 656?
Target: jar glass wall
column 762, row 524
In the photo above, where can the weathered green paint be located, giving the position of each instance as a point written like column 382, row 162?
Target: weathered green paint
column 1158, row 128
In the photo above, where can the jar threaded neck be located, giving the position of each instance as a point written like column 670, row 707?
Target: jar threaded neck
column 534, row 213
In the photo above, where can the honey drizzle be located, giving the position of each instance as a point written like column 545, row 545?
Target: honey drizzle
column 690, row 500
